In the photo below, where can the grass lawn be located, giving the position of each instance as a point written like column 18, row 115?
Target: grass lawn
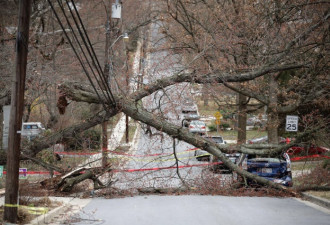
column 209, row 110
column 308, row 165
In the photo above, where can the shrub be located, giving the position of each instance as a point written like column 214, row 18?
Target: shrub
column 89, row 139
column 224, row 126
column 212, row 127
column 46, row 155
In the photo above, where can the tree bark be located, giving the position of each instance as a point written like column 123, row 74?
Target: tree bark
column 272, row 114
column 242, row 107
column 16, row 114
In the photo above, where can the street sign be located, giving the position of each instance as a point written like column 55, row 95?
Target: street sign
column 217, row 121
column 1, row 171
column 22, row 173
column 291, row 123
column 217, row 115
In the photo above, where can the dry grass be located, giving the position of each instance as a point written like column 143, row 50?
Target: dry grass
column 232, row 134
column 321, row 194
column 319, row 176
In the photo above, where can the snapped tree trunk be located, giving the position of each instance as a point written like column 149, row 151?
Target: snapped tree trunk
column 67, row 182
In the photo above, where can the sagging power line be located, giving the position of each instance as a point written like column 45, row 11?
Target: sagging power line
column 94, row 67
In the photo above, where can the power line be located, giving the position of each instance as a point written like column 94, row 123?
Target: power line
column 99, row 82
column 92, row 55
column 76, row 53
column 102, row 82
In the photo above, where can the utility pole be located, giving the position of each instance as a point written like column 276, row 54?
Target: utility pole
column 107, row 77
column 16, row 114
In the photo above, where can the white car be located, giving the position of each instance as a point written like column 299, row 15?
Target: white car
column 31, row 130
column 197, row 126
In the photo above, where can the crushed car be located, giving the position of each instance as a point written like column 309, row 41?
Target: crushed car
column 276, row 169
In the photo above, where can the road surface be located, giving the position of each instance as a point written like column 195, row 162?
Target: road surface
column 201, row 210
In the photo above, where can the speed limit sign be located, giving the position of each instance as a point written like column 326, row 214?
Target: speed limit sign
column 291, row 123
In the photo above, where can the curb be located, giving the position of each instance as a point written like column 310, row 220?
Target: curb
column 317, row 200
column 69, row 207
column 48, row 217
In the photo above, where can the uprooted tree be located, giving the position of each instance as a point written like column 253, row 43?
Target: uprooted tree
column 271, row 51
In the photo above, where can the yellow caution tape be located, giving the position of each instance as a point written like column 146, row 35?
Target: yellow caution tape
column 11, row 205
column 31, row 209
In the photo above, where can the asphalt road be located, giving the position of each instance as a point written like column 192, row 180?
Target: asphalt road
column 201, row 210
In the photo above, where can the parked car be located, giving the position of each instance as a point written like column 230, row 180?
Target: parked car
column 189, row 110
column 303, row 150
column 31, row 130
column 221, row 168
column 189, row 116
column 197, row 126
column 277, row 169
column 204, row 155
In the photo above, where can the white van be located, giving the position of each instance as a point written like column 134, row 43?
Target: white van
column 31, row 130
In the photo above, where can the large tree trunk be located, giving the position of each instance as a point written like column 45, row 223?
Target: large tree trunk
column 205, row 94
column 241, row 134
column 272, row 114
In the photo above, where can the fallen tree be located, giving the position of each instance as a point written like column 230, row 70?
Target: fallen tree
column 270, row 59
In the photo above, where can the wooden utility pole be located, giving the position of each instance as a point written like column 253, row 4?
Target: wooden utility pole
column 107, row 77
column 16, row 114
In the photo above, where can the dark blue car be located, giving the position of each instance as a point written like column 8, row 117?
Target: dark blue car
column 277, row 170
